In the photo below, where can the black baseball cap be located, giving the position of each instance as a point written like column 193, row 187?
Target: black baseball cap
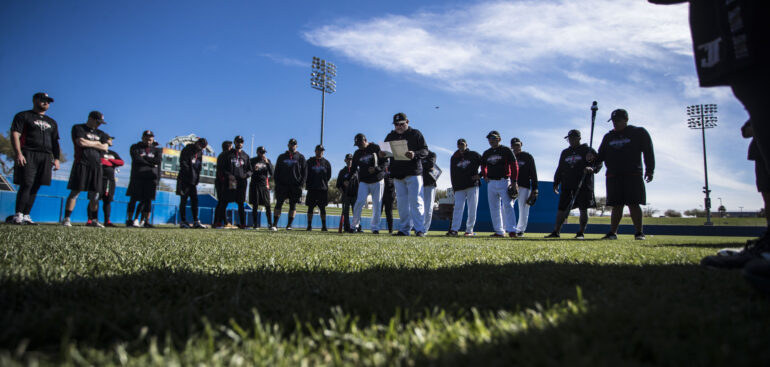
column 348, row 156
column 619, row 114
column 493, row 134
column 42, row 96
column 292, row 141
column 238, row 138
column 399, row 117
column 359, row 138
column 573, row 132
column 148, row 133
column 319, row 147
column 261, row 150
column 202, row 141
column 461, row 140
column 515, row 141
column 98, row 116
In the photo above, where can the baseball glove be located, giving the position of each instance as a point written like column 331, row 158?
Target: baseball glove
column 513, row 191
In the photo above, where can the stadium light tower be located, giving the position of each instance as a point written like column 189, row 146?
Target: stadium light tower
column 322, row 78
column 703, row 116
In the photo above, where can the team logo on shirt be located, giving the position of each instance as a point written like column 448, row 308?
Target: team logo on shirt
column 237, row 162
column 147, row 154
column 289, row 162
column 463, row 163
column 521, row 163
column 42, row 124
column 619, row 142
column 319, row 169
column 260, row 166
column 92, row 136
column 572, row 160
column 493, row 159
column 366, row 159
column 109, row 156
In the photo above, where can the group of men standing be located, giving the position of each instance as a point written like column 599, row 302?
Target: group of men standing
column 410, row 179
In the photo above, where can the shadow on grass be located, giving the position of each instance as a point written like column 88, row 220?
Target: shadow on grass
column 640, row 307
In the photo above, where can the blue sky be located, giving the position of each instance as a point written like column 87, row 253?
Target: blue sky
column 525, row 68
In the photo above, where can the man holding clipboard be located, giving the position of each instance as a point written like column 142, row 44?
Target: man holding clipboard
column 408, row 148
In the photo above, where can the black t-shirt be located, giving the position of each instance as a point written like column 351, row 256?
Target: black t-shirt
column 39, row 133
column 498, row 163
column 110, row 161
column 145, row 161
column 351, row 176
column 237, row 165
column 572, row 163
column 190, row 165
column 463, row 166
column 368, row 157
column 415, row 142
column 319, row 172
column 262, row 171
column 290, row 169
column 527, row 170
column 85, row 155
column 621, row 151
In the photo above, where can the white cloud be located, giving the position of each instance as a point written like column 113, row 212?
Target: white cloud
column 288, row 61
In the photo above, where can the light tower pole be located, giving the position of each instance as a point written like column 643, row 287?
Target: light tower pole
column 322, row 78
column 703, row 117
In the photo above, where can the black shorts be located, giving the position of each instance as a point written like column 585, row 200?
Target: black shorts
column 259, row 195
column 142, row 189
column 316, row 197
column 626, row 190
column 84, row 177
column 37, row 170
column 585, row 199
column 283, row 192
column 186, row 189
column 238, row 194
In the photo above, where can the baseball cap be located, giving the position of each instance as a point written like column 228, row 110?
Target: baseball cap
column 573, row 132
column 203, row 141
column 348, row 156
column 98, row 116
column 461, row 140
column 399, row 117
column 238, row 138
column 493, row 134
column 319, row 147
column 359, row 138
column 515, row 141
column 292, row 141
column 148, row 133
column 42, row 96
column 619, row 114
column 261, row 150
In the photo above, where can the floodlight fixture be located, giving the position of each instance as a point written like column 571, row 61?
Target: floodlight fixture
column 322, row 79
column 703, row 116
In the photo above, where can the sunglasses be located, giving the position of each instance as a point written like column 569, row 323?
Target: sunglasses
column 45, row 101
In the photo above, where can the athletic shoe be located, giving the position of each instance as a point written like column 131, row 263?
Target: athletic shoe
column 136, row 223
column 610, row 236
column 273, row 229
column 309, row 229
column 420, row 234
column 640, row 236
column 148, row 225
column 351, row 231
column 198, row 224
column 580, row 236
column 512, row 234
column 452, row 233
column 109, row 224
column 27, row 220
column 288, row 228
column 241, row 226
column 324, row 229
column 469, row 234
column 399, row 233
column 757, row 273
column 129, row 223
column 553, row 235
column 496, row 235
column 94, row 223
column 375, row 232
column 184, row 225
column 66, row 222
column 520, row 234
column 754, row 249
column 18, row 219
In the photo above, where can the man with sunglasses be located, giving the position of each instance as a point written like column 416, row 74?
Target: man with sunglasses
column 35, row 142
column 407, row 176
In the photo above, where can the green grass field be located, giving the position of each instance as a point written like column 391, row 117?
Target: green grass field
column 751, row 222
column 86, row 296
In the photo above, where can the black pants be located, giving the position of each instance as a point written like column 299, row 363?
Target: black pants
column 387, row 207
column 222, row 208
column 193, row 207
column 347, row 203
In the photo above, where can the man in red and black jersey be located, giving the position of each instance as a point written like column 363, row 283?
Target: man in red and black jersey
column 259, row 188
column 527, row 184
column 35, row 142
column 143, row 184
column 319, row 172
column 347, row 183
column 86, row 175
column 190, row 165
column 501, row 171
column 290, row 171
column 236, row 170
column 110, row 162
column 574, row 167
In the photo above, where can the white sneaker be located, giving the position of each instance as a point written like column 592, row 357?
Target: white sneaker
column 273, row 228
column 66, row 222
column 28, row 220
column 18, row 218
column 137, row 224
